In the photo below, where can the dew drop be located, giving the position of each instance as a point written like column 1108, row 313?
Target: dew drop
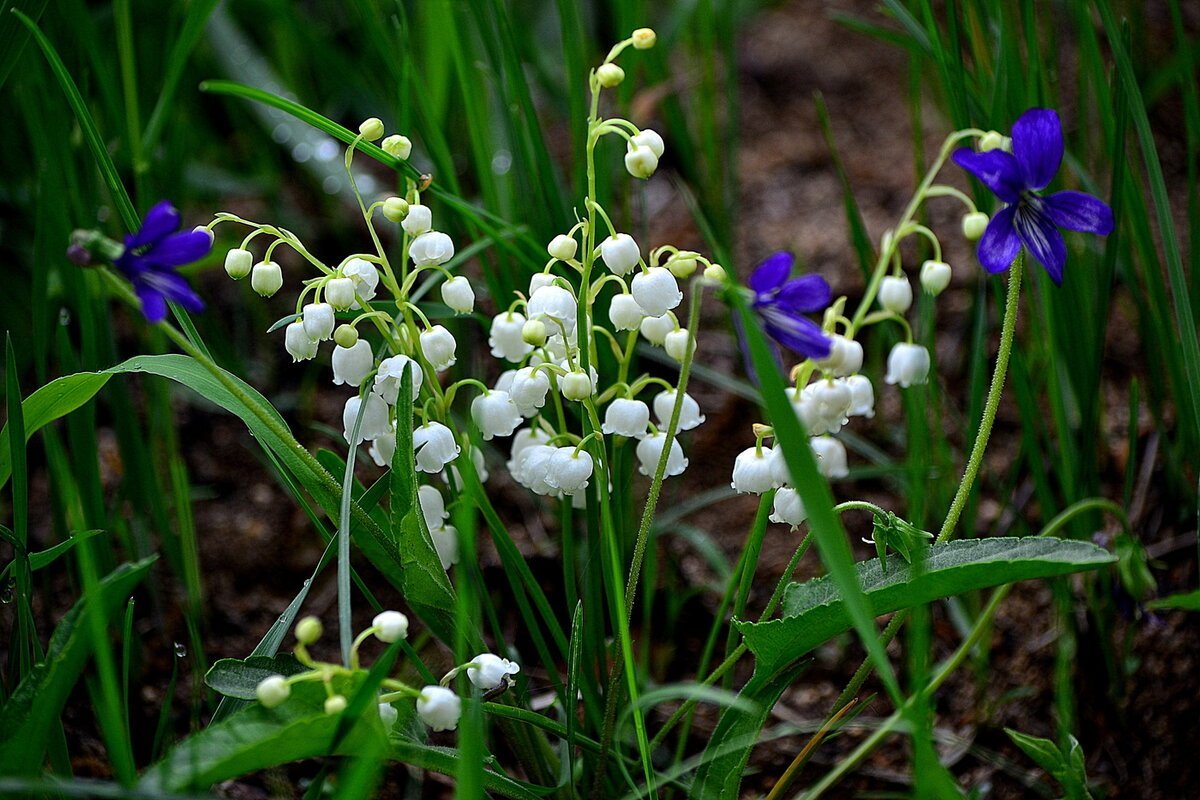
column 180, row 650
column 8, row 591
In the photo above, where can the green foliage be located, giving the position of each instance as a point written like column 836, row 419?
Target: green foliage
column 1066, row 766
column 238, row 678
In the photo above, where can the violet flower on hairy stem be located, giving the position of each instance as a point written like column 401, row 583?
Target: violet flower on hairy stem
column 1030, row 219
column 782, row 301
column 152, row 255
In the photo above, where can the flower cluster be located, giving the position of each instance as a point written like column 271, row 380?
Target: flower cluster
column 436, row 705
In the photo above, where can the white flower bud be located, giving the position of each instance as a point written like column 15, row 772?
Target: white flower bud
column 434, row 447
column 562, row 247
column 649, row 451
column 641, row 162
column 522, row 441
column 458, row 294
column 831, row 402
column 272, row 690
column 626, row 417
column 308, row 630
column 318, row 321
column 575, row 385
column 212, row 237
column 754, row 471
column 689, row 413
column 655, row 329
column 266, row 278
column 505, row 337
column 297, row 343
column 371, row 128
column 974, row 225
column 555, row 307
column 390, row 375
column 656, row 291
column 375, row 421
column 398, row 146
column 644, row 38
column 862, row 396
column 715, row 273
column 651, row 139
column 395, row 209
column 339, row 293
column 439, row 708
column 365, row 277
column 335, row 704
column 383, row 449
column 433, row 507
column 935, row 276
column 390, row 626
column 569, row 470
column 445, row 542
column 438, row 346
column 238, row 263
column 352, row 364
column 845, row 357
column 908, row 364
column 787, row 508
column 620, row 253
column 831, row 456
column 625, row 314
column 495, row 414
column 676, row 344
column 388, row 715
column 488, row 671
column 529, row 389
column 609, row 75
column 538, row 280
column 418, row 220
column 895, row 294
column 430, row 249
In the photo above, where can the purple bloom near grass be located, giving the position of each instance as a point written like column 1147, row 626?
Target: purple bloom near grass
column 1030, row 219
column 154, row 253
column 782, row 301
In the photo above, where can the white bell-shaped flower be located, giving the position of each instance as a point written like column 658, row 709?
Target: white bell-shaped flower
column 831, row 456
column 391, row 373
column 445, row 542
column 438, row 346
column 538, row 280
column 908, row 365
column 431, row 249
column 318, row 321
column 620, row 253
column 458, row 294
column 641, row 162
column 522, row 441
column 352, row 364
column 625, row 314
column 375, row 421
column 896, row 294
column 299, row 344
column 496, row 414
column 383, row 449
column 563, row 247
column 576, row 385
column 832, row 401
column 266, row 278
column 569, row 470
column 390, row 626
column 862, row 396
column 505, row 336
column 489, row 671
column 439, row 708
column 433, row 506
column 935, row 276
column 753, row 471
column 238, row 263
column 689, row 413
column 788, row 508
column 626, row 417
column 554, row 306
column 365, row 277
column 649, row 451
column 531, row 467
column 655, row 329
column 656, row 290
column 974, row 225
column 418, row 220
column 529, row 389
column 339, row 293
column 845, row 357
column 434, row 447
column 649, row 138
column 676, row 344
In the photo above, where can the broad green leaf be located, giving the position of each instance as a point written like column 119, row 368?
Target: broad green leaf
column 28, row 716
column 56, row 399
column 814, row 612
column 237, row 678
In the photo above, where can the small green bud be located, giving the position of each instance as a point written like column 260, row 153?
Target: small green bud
column 371, row 128
column 346, row 335
column 682, row 264
column 395, row 209
column 534, row 332
column 308, row 630
column 398, row 146
column 644, row 38
column 974, row 225
column 994, row 140
column 238, row 263
column 335, row 704
column 576, row 385
column 609, row 75
column 715, row 273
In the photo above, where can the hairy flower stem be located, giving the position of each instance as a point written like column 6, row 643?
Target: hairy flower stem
column 974, row 461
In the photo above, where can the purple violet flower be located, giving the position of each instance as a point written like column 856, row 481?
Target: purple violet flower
column 1030, row 219
column 781, row 304
column 152, row 255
